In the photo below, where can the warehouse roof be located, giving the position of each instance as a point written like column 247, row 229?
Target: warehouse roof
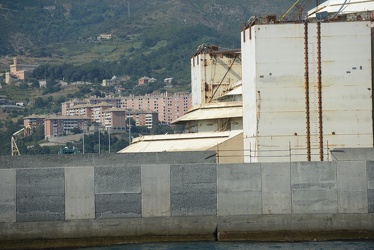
column 179, row 142
column 213, row 111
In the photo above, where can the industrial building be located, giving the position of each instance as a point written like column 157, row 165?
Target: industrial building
column 213, row 72
column 215, row 121
column 307, row 86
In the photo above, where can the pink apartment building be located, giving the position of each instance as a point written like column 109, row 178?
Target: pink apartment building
column 168, row 107
column 115, row 101
column 58, row 125
column 33, row 121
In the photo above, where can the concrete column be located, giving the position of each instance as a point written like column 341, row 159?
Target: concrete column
column 7, row 195
column 352, row 187
column 79, row 193
column 238, row 189
column 276, row 188
column 155, row 190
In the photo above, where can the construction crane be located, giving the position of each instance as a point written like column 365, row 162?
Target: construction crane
column 22, row 133
column 295, row 12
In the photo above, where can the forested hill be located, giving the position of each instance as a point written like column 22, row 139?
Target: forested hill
column 150, row 37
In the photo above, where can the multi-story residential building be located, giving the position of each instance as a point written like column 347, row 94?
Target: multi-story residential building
column 168, row 107
column 108, row 115
column 58, row 125
column 33, row 121
column 65, row 106
column 144, row 117
column 115, row 118
column 98, row 113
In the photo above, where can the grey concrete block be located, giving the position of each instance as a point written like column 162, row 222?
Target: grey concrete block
column 313, row 175
column 371, row 200
column 97, row 160
column 314, row 201
column 370, row 174
column 352, row 187
column 238, row 189
column 79, row 193
column 7, row 195
column 117, row 179
column 117, row 205
column 193, row 189
column 155, row 190
column 40, row 194
column 276, row 188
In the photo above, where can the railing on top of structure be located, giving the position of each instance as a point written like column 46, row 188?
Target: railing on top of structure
column 288, row 154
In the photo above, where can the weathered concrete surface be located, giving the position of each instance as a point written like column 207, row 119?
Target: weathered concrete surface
column 40, row 194
column 108, row 231
column 297, row 227
column 276, row 188
column 238, row 189
column 370, row 176
column 117, row 179
column 95, row 160
column 314, row 187
column 352, row 154
column 223, row 228
column 7, row 195
column 118, row 191
column 352, row 187
column 261, row 201
column 79, row 193
column 156, row 190
column 193, row 189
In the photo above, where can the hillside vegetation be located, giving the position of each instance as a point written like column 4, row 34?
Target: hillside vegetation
column 150, row 37
column 153, row 38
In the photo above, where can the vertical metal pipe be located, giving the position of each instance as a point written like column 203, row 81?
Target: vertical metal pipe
column 319, row 86
column 306, row 86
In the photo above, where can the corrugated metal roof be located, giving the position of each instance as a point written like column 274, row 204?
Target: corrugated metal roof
column 179, row 142
column 350, row 6
column 213, row 111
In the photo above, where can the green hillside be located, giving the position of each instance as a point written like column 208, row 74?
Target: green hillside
column 150, row 37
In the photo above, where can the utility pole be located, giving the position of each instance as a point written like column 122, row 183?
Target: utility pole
column 99, row 138
column 83, row 142
column 129, row 132
column 109, row 137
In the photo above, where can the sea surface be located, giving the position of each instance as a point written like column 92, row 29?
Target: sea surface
column 344, row 245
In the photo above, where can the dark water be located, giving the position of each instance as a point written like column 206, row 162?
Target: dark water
column 357, row 245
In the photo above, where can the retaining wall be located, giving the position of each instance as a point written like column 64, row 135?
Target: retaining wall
column 93, row 199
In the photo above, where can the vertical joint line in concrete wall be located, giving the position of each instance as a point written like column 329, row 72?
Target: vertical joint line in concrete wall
column 319, row 84
column 306, row 85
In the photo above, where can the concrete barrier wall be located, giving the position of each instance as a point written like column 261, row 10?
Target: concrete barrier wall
column 98, row 188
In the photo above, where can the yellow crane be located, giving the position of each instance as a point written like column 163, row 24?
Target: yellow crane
column 22, row 133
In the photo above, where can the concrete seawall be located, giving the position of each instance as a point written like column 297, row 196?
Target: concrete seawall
column 64, row 201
